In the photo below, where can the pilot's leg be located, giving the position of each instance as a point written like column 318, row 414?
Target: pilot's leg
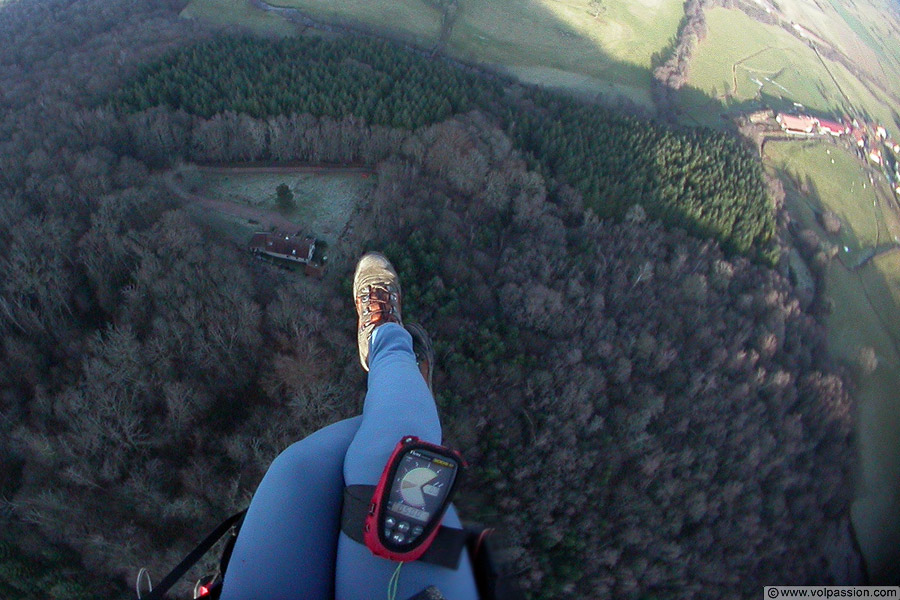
column 398, row 403
column 287, row 545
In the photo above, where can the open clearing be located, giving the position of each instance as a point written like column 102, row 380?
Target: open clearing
column 866, row 313
column 324, row 201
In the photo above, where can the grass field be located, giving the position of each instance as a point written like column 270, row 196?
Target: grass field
column 866, row 313
column 836, row 179
column 866, row 31
column 324, row 202
column 563, row 34
column 875, row 43
column 585, row 87
column 732, row 64
column 226, row 12
column 413, row 19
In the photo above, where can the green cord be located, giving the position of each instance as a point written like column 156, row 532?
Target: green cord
column 394, row 583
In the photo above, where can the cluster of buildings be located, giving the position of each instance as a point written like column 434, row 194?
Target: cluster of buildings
column 872, row 140
column 806, row 125
column 884, row 152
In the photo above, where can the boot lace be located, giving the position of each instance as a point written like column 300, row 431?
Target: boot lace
column 379, row 305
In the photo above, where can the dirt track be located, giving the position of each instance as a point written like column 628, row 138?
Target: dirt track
column 289, row 169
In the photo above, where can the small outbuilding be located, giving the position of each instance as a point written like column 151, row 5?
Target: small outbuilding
column 832, row 128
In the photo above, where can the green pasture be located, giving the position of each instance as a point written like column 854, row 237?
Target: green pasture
column 739, row 49
column 866, row 31
column 561, row 44
column 412, row 19
column 884, row 280
column 226, row 12
column 860, row 318
column 886, row 33
column 324, row 202
column 877, row 106
column 564, row 33
column 841, row 186
column 740, row 53
column 858, row 28
column 866, row 313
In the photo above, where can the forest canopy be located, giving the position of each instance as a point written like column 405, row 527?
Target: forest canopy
column 699, row 179
column 150, row 370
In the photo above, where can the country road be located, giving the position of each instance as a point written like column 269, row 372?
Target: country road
column 288, row 169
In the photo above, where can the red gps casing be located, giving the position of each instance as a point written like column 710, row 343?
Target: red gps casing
column 372, row 533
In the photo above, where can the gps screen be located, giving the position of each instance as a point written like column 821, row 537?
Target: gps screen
column 419, row 489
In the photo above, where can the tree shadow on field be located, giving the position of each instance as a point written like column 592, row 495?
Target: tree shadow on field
column 877, row 502
column 694, row 102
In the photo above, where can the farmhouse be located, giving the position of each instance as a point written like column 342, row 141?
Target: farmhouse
column 295, row 248
column 799, row 125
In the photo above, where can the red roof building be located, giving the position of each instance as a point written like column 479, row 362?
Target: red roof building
column 832, row 127
column 801, row 125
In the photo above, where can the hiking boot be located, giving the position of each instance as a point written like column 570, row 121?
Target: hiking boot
column 423, row 350
column 376, row 292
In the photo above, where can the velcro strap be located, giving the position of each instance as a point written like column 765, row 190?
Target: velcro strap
column 444, row 551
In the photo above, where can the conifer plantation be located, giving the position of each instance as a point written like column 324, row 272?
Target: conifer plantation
column 699, row 179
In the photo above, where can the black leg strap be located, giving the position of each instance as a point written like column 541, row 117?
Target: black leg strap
column 444, row 551
column 196, row 554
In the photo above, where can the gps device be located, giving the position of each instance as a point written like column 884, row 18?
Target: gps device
column 410, row 499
